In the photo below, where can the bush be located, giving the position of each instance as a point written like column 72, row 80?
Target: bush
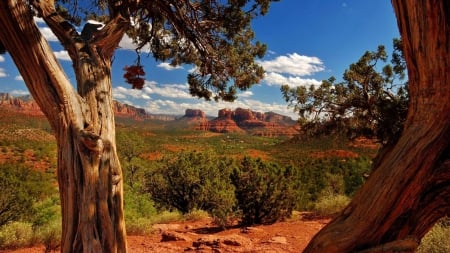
column 20, row 186
column 265, row 192
column 16, row 234
column 436, row 240
column 49, row 234
column 331, row 204
column 193, row 180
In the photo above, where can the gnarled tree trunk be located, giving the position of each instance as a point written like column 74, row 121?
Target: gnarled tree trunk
column 89, row 173
column 409, row 189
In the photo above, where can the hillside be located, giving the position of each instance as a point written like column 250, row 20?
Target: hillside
column 268, row 124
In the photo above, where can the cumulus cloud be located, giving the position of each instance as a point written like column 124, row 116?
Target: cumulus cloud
column 18, row 78
column 176, row 91
column 123, row 93
column 294, row 64
column 2, row 58
column 273, row 78
column 291, row 68
column 167, row 66
column 168, row 90
column 3, row 72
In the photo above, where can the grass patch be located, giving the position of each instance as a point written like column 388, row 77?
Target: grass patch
column 16, row 235
column 436, row 240
column 330, row 205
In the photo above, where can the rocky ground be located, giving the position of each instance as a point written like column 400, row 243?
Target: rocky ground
column 202, row 236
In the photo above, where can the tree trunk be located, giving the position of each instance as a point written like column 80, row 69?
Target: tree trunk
column 409, row 190
column 89, row 172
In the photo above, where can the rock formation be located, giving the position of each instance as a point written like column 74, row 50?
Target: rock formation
column 246, row 120
column 28, row 106
column 227, row 121
column 23, row 104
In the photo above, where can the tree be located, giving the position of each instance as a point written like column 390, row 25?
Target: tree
column 265, row 192
column 409, row 187
column 213, row 35
column 193, row 181
column 368, row 102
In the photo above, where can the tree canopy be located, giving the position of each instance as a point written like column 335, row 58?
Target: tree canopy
column 215, row 36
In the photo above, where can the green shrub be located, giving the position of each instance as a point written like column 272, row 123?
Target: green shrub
column 46, row 211
column 193, row 181
column 16, row 234
column 21, row 187
column 436, row 240
column 331, row 204
column 49, row 234
column 265, row 192
column 196, row 215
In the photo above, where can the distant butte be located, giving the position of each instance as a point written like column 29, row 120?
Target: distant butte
column 245, row 120
column 240, row 120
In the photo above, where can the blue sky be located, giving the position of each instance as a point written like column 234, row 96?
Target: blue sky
column 307, row 41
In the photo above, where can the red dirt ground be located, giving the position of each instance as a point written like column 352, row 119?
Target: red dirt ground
column 201, row 236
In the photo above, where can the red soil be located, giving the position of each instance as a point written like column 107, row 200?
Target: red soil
column 202, row 236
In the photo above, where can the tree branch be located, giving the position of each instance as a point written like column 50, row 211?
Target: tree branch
column 108, row 38
column 63, row 30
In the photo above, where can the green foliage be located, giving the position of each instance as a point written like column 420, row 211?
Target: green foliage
column 368, row 102
column 325, row 176
column 16, row 234
column 49, row 234
column 131, row 146
column 193, row 180
column 265, row 192
column 437, row 239
column 330, row 204
column 47, row 211
column 20, row 188
column 139, row 211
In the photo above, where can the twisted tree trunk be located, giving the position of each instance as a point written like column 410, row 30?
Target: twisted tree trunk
column 409, row 189
column 89, row 173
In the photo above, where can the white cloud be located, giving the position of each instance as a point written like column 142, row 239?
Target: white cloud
column 167, row 66
column 48, row 34
column 290, row 69
column 2, row 58
column 277, row 79
column 18, row 93
column 245, row 94
column 38, row 20
column 124, row 93
column 295, row 64
column 62, row 55
column 3, row 72
column 127, row 43
column 18, row 78
column 167, row 90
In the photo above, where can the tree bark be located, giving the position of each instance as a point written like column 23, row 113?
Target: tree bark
column 89, row 172
column 409, row 190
